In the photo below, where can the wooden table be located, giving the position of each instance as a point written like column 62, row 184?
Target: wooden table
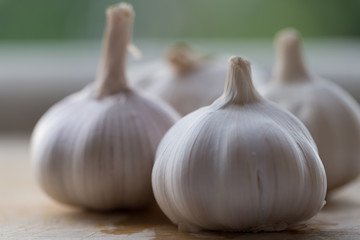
column 27, row 213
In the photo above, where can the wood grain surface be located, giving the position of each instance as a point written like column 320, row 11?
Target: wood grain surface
column 27, row 213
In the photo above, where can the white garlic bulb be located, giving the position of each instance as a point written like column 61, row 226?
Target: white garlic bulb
column 96, row 148
column 240, row 164
column 180, row 80
column 330, row 114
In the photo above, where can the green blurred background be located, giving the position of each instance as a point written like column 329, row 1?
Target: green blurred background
column 51, row 48
column 24, row 20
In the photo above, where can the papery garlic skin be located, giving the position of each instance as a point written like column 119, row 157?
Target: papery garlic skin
column 240, row 164
column 180, row 80
column 96, row 148
column 331, row 115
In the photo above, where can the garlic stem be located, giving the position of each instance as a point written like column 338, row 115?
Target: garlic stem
column 289, row 64
column 183, row 59
column 112, row 74
column 239, row 88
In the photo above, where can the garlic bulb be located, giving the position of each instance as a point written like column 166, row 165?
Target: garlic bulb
column 180, row 80
column 96, row 148
column 240, row 164
column 331, row 115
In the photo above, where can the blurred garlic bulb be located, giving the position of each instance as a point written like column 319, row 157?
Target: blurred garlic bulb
column 240, row 164
column 330, row 114
column 96, row 148
column 186, row 79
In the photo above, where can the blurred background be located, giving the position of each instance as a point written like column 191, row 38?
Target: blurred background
column 67, row 20
column 50, row 48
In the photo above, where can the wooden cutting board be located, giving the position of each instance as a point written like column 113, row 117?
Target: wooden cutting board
column 27, row 213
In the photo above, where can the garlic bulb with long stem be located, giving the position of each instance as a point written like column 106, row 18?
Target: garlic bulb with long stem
column 181, row 77
column 96, row 148
column 331, row 115
column 240, row 164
